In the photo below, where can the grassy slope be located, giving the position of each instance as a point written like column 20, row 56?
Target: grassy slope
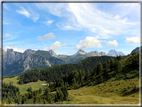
column 24, row 87
column 109, row 93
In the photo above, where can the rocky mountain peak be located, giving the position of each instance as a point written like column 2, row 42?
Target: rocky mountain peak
column 102, row 53
column 52, row 53
column 29, row 51
column 80, row 51
column 115, row 53
column 9, row 50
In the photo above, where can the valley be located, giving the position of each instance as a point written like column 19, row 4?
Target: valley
column 112, row 80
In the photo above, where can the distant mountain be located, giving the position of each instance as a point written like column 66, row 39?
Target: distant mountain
column 115, row 53
column 16, row 62
column 137, row 49
column 102, row 53
column 80, row 51
column 93, row 53
column 52, row 53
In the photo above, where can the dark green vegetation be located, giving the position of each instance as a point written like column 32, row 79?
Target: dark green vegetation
column 116, row 68
column 10, row 93
column 56, row 72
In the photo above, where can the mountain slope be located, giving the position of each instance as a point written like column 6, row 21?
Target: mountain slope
column 137, row 49
column 56, row 72
column 28, row 60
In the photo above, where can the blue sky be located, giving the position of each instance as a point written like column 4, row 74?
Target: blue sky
column 67, row 27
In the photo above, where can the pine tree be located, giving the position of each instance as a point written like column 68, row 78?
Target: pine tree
column 105, row 67
column 80, row 75
column 112, row 63
column 99, row 68
column 47, row 94
column 34, row 99
column 40, row 90
column 64, row 91
column 87, row 75
column 118, row 66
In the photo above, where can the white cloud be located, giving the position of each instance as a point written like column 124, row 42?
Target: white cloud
column 34, row 16
column 24, row 12
column 14, row 48
column 49, row 22
column 56, row 46
column 80, row 16
column 112, row 43
column 46, row 37
column 8, row 35
column 29, row 14
column 89, row 42
column 132, row 40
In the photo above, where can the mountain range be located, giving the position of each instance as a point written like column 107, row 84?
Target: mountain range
column 16, row 62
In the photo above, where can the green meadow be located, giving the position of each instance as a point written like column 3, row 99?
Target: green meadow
column 23, row 88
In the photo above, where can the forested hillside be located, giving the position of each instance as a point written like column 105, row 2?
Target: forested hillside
column 56, row 72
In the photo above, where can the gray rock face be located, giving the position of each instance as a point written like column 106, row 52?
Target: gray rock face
column 28, row 52
column 102, row 53
column 80, row 51
column 52, row 53
column 25, row 61
column 93, row 53
column 115, row 53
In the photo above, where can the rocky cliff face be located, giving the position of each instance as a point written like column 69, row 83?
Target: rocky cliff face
column 28, row 60
column 52, row 53
column 93, row 53
column 80, row 51
column 102, row 53
column 115, row 53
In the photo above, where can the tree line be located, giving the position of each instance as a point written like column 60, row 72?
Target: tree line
column 56, row 72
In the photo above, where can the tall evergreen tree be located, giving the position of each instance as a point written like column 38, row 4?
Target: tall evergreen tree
column 99, row 68
column 118, row 66
column 112, row 63
column 47, row 94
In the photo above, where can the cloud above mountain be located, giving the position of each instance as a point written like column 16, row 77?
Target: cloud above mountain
column 132, row 40
column 89, row 42
column 112, row 43
column 14, row 48
column 56, row 45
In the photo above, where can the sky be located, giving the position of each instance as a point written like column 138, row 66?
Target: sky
column 68, row 27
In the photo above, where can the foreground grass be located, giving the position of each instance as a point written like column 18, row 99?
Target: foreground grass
column 110, row 93
column 24, row 87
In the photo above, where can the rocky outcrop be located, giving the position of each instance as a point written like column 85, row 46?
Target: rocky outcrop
column 93, row 53
column 115, row 53
column 52, row 53
column 102, row 53
column 80, row 51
